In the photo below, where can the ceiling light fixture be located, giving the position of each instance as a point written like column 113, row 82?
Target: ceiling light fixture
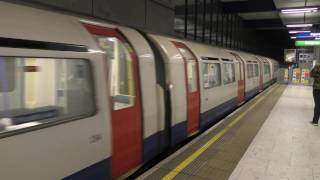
column 299, row 10
column 293, row 37
column 294, row 32
column 299, row 25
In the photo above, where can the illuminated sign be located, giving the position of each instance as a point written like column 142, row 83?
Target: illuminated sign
column 307, row 35
column 305, row 56
column 308, row 43
column 304, row 34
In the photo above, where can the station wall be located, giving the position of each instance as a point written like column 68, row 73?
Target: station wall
column 152, row 15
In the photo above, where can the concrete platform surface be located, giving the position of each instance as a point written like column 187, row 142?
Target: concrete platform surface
column 287, row 147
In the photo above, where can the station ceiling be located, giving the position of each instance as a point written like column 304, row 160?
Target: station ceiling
column 268, row 15
column 265, row 16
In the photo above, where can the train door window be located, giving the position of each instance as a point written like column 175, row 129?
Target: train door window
column 266, row 69
column 192, row 75
column 191, row 69
column 211, row 75
column 256, row 70
column 121, row 72
column 250, row 70
column 7, row 75
column 44, row 90
column 228, row 73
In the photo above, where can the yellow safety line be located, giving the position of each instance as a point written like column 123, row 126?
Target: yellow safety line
column 215, row 138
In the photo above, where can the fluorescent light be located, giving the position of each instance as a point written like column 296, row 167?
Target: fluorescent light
column 299, row 25
column 293, row 37
column 294, row 32
column 299, row 10
column 95, row 51
column 296, row 12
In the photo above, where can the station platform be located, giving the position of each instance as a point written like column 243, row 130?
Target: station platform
column 267, row 138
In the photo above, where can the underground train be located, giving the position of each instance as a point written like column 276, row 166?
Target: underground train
column 85, row 99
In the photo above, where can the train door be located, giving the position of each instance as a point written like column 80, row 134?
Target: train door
column 267, row 67
column 241, row 82
column 124, row 97
column 260, row 65
column 192, row 87
column 261, row 75
column 270, row 75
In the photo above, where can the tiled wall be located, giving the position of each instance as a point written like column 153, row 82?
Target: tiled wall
column 153, row 15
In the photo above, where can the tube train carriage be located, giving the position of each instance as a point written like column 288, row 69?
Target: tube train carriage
column 81, row 99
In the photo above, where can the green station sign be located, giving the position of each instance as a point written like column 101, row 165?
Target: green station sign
column 308, row 43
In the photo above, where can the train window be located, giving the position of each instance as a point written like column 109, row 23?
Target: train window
column 256, row 68
column 46, row 90
column 253, row 70
column 266, row 69
column 250, row 70
column 191, row 69
column 7, row 75
column 192, row 75
column 121, row 72
column 211, row 75
column 228, row 73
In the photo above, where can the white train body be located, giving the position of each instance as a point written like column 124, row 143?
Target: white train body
column 85, row 99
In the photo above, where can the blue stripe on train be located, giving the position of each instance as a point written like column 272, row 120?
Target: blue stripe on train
column 267, row 84
column 179, row 133
column 154, row 145
column 217, row 113
column 97, row 171
column 250, row 94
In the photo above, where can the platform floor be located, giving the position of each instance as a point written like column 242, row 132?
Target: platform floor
column 287, row 147
column 232, row 149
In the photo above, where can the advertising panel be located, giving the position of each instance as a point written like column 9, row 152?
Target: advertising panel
column 290, row 55
column 305, row 76
column 296, row 75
